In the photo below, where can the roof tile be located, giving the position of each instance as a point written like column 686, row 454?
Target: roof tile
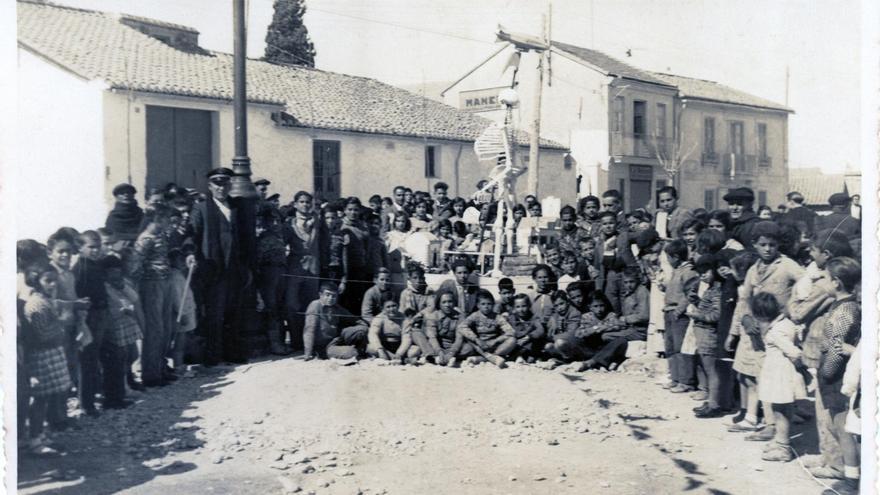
column 97, row 46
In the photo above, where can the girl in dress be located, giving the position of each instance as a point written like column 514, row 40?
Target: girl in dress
column 780, row 382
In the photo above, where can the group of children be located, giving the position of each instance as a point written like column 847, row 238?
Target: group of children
column 99, row 314
column 765, row 312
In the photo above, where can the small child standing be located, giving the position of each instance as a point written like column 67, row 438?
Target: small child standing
column 90, row 283
column 780, row 383
column 545, row 285
column 705, row 316
column 841, row 333
column 681, row 366
column 46, row 360
column 125, row 330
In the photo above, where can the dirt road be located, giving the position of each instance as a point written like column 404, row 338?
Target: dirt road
column 287, row 426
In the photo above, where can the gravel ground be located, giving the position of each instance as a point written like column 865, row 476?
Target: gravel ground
column 287, row 426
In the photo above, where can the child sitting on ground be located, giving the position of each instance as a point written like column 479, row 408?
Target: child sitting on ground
column 330, row 331
column 389, row 336
column 577, row 295
column 561, row 328
column 527, row 329
column 441, row 330
column 487, row 330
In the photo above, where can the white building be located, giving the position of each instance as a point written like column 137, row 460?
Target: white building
column 107, row 98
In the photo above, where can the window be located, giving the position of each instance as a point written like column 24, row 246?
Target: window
column 326, row 169
column 618, row 114
column 709, row 136
column 762, row 145
column 762, row 198
column 661, row 120
column 736, row 144
column 639, row 118
column 709, row 199
column 430, row 161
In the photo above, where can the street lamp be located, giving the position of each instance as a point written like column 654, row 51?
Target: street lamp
column 241, row 187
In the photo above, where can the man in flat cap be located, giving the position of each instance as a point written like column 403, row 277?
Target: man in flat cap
column 221, row 269
column 840, row 218
column 124, row 220
column 740, row 202
column 262, row 186
column 797, row 214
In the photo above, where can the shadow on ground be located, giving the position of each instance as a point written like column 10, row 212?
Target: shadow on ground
column 125, row 448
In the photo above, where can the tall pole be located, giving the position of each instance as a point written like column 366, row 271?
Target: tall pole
column 241, row 186
column 536, row 116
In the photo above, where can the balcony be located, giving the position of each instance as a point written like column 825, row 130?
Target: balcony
column 735, row 166
column 640, row 145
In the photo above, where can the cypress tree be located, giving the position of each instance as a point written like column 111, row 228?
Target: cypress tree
column 287, row 39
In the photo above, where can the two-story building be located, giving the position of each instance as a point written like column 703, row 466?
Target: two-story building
column 636, row 131
column 727, row 138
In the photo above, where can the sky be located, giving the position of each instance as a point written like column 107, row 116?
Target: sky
column 747, row 45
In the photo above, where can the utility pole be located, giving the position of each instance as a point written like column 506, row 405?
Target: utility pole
column 242, row 192
column 534, row 141
column 787, row 76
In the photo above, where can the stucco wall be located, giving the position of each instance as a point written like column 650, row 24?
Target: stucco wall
column 60, row 168
column 370, row 163
column 697, row 176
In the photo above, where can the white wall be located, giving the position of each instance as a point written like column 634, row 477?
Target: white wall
column 60, row 169
column 370, row 163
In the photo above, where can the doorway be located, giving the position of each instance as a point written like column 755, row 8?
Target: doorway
column 179, row 147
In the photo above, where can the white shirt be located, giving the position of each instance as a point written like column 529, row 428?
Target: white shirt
column 223, row 209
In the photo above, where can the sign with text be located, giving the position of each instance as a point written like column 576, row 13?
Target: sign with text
column 480, row 100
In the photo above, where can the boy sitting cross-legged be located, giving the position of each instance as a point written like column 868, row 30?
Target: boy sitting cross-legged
column 486, row 330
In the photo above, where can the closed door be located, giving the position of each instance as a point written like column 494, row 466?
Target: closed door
column 178, row 147
column 326, row 169
column 640, row 194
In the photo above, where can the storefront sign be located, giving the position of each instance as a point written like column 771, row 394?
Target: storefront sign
column 641, row 172
column 479, row 100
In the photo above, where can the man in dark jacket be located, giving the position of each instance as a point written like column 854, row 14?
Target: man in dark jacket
column 222, row 273
column 124, row 220
column 740, row 201
column 840, row 218
column 797, row 214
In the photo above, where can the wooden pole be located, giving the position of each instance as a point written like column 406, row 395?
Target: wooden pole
column 534, row 139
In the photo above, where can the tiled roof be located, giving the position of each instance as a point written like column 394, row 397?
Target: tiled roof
column 814, row 185
column 97, row 46
column 702, row 89
column 608, row 64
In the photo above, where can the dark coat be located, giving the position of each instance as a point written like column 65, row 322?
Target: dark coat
column 742, row 227
column 215, row 238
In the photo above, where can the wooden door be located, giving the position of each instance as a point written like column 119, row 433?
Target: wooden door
column 179, row 147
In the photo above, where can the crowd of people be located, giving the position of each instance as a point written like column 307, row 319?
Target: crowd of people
column 753, row 313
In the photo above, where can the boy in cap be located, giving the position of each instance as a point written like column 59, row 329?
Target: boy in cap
column 126, row 216
column 262, row 186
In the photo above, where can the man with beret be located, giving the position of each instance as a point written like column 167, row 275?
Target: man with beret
column 262, row 186
column 797, row 214
column 124, row 220
column 221, row 270
column 840, row 218
column 740, row 202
